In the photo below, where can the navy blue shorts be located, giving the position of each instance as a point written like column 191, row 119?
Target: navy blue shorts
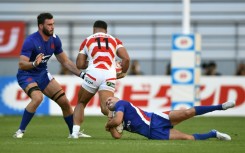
column 160, row 126
column 42, row 79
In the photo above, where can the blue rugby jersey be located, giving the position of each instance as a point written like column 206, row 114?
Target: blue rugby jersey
column 34, row 45
column 135, row 120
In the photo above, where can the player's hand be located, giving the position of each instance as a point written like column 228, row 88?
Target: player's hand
column 38, row 59
column 107, row 128
column 109, row 119
column 121, row 75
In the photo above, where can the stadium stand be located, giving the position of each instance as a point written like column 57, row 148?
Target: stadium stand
column 144, row 26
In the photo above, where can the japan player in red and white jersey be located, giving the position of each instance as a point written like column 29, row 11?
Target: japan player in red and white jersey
column 97, row 58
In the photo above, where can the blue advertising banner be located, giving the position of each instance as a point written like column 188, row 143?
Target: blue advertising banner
column 13, row 99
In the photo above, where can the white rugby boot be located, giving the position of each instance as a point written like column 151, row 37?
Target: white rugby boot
column 83, row 135
column 73, row 136
column 222, row 136
column 79, row 135
column 228, row 104
column 19, row 134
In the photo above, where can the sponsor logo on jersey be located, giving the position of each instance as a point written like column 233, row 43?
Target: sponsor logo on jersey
column 45, row 58
column 110, row 84
column 52, row 46
column 88, row 81
column 128, row 125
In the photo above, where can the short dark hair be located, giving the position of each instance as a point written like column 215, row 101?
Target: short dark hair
column 42, row 17
column 212, row 64
column 100, row 24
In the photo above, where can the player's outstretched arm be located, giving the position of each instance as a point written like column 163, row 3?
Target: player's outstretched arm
column 67, row 63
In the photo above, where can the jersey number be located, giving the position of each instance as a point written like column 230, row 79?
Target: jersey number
column 105, row 40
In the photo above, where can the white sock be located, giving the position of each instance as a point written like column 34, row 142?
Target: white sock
column 75, row 129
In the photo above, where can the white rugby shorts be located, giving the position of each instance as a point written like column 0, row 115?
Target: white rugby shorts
column 99, row 79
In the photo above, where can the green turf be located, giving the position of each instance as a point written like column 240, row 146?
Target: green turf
column 49, row 135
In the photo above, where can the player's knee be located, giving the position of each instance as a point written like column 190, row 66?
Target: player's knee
column 36, row 100
column 37, row 97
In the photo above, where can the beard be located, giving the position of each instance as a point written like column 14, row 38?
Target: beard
column 47, row 33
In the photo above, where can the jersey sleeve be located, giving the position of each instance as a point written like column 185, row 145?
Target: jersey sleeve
column 119, row 44
column 120, row 106
column 27, row 47
column 83, row 48
column 58, row 45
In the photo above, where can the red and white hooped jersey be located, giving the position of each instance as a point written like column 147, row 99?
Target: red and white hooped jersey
column 101, row 50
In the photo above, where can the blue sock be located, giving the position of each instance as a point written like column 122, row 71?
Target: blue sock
column 69, row 122
column 205, row 109
column 26, row 118
column 211, row 134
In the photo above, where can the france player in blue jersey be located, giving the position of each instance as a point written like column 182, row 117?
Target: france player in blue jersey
column 33, row 76
column 159, row 125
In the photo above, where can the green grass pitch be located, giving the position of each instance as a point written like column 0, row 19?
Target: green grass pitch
column 46, row 134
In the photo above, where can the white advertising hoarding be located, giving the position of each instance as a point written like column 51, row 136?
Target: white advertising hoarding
column 153, row 93
column 150, row 93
